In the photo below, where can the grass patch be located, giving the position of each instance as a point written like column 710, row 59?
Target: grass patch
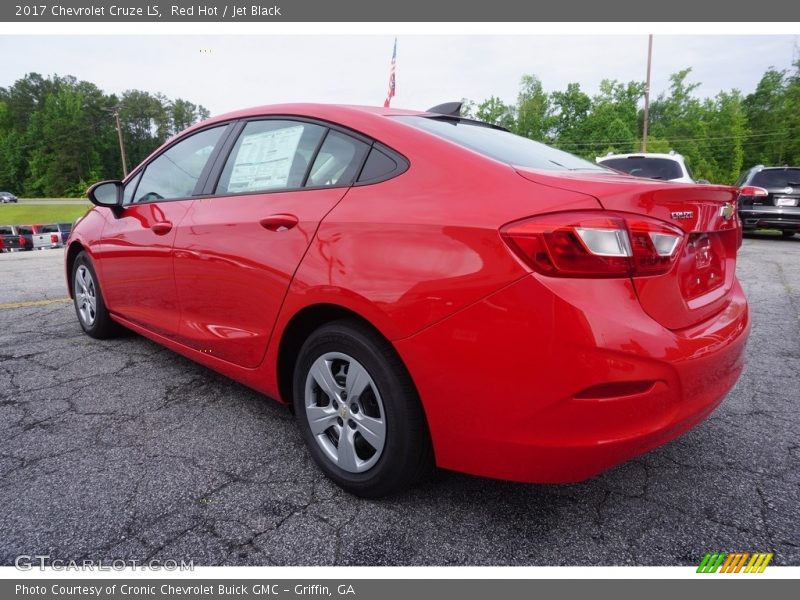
column 40, row 214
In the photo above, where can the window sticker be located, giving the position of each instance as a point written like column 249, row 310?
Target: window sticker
column 265, row 159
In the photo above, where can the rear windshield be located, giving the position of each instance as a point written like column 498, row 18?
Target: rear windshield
column 772, row 178
column 640, row 166
column 501, row 145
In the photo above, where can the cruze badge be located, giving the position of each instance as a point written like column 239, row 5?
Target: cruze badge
column 683, row 214
column 726, row 212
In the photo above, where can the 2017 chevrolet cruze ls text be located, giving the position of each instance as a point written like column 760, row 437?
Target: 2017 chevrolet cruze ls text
column 424, row 289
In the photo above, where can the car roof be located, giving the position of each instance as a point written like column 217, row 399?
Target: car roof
column 312, row 109
column 763, row 168
column 669, row 155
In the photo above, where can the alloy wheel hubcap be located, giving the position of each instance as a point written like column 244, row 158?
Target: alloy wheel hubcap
column 85, row 295
column 345, row 412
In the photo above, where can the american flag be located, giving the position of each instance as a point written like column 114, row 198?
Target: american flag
column 390, row 93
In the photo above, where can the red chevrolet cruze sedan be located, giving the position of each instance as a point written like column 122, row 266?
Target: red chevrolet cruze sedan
column 424, row 289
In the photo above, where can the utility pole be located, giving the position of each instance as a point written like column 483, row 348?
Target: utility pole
column 647, row 92
column 121, row 144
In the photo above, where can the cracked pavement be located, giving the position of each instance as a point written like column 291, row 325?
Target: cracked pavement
column 123, row 449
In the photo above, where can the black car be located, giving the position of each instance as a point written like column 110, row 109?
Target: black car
column 769, row 198
column 11, row 239
column 6, row 197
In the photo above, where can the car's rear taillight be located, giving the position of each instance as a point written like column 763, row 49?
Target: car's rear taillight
column 754, row 191
column 54, row 238
column 594, row 244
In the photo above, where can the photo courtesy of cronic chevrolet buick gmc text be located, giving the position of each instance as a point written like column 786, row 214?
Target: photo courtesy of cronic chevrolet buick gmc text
column 424, row 289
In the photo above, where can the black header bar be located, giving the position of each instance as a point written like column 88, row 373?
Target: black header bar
column 176, row 11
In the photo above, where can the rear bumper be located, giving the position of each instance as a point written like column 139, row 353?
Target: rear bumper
column 770, row 217
column 502, row 381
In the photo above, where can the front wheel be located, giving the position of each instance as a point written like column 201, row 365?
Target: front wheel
column 88, row 299
column 359, row 412
column 787, row 234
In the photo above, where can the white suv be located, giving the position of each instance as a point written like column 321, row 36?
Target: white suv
column 668, row 167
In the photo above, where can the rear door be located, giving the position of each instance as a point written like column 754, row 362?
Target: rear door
column 135, row 254
column 238, row 248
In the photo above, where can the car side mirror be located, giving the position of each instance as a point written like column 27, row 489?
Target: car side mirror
column 106, row 193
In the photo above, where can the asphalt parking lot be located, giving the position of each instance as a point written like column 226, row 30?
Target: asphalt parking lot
column 122, row 449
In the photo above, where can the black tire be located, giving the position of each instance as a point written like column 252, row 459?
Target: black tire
column 101, row 327
column 406, row 455
column 787, row 234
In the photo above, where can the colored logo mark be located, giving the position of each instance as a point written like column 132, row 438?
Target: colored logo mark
column 734, row 562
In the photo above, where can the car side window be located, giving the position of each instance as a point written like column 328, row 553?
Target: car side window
column 378, row 167
column 338, row 161
column 270, row 155
column 130, row 187
column 174, row 173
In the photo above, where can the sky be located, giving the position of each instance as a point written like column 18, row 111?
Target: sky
column 229, row 72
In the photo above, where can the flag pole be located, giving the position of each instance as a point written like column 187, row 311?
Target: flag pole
column 391, row 92
column 647, row 92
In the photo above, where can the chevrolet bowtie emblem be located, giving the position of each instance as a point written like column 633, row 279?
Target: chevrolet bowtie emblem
column 727, row 211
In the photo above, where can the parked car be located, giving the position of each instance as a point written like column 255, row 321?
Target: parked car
column 12, row 241
column 652, row 165
column 769, row 199
column 35, row 239
column 26, row 236
column 7, row 197
column 51, row 236
column 65, row 229
column 424, row 288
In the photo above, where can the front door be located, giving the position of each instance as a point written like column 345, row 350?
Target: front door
column 135, row 253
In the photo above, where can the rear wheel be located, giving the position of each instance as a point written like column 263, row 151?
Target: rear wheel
column 787, row 234
column 359, row 412
column 88, row 299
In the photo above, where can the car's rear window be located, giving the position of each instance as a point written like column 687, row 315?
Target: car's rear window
column 501, row 145
column 772, row 178
column 642, row 166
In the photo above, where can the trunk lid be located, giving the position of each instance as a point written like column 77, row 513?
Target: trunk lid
column 700, row 282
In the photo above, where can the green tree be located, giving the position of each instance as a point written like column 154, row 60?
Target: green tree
column 58, row 134
column 534, row 117
column 571, row 111
column 495, row 111
column 766, row 110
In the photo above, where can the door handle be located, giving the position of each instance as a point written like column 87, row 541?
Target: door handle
column 161, row 228
column 279, row 222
